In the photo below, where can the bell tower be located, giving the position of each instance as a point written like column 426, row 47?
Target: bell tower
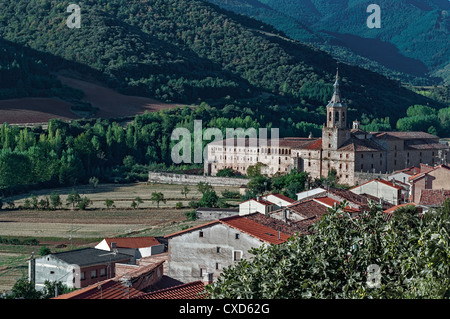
column 335, row 131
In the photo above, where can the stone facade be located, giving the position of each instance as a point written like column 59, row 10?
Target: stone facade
column 186, row 179
column 347, row 151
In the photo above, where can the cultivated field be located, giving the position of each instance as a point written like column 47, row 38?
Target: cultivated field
column 34, row 110
column 65, row 228
column 110, row 103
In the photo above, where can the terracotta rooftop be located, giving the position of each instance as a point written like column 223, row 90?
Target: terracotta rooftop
column 433, row 197
column 192, row 290
column 273, row 223
column 406, row 135
column 246, row 225
column 258, row 230
column 410, row 170
column 357, row 145
column 394, row 208
column 113, row 288
column 289, row 142
column 132, row 242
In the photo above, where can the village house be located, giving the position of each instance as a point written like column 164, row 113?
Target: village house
column 76, row 268
column 207, row 249
column 431, row 178
column 403, row 175
column 137, row 247
column 389, row 191
column 264, row 204
column 348, row 152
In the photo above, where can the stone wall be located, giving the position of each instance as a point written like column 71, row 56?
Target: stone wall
column 215, row 213
column 363, row 177
column 185, row 179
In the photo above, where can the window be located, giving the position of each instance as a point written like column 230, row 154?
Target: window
column 237, row 255
column 218, row 250
column 52, row 272
column 93, row 273
column 102, row 272
column 217, row 266
column 83, row 276
column 236, row 236
column 200, row 233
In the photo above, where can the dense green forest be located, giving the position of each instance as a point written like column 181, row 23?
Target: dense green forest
column 235, row 71
column 411, row 45
column 23, row 74
column 191, row 51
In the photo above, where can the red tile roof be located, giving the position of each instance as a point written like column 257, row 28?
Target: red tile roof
column 410, row 170
column 330, row 202
column 107, row 289
column 132, row 242
column 255, row 229
column 192, row 290
column 433, row 197
column 246, row 225
column 393, row 209
column 407, row 135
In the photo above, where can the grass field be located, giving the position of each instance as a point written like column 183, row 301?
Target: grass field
column 75, row 229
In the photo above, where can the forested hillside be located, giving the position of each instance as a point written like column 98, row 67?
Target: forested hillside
column 411, row 45
column 236, row 72
column 191, row 51
column 23, row 73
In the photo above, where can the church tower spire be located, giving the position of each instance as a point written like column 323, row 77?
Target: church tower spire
column 337, row 93
column 335, row 132
column 336, row 99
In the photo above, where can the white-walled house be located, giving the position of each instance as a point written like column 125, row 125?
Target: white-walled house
column 256, row 205
column 207, row 249
column 264, row 204
column 310, row 192
column 278, row 200
column 404, row 174
column 382, row 189
column 136, row 246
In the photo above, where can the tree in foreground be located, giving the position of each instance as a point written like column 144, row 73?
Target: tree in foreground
column 343, row 257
